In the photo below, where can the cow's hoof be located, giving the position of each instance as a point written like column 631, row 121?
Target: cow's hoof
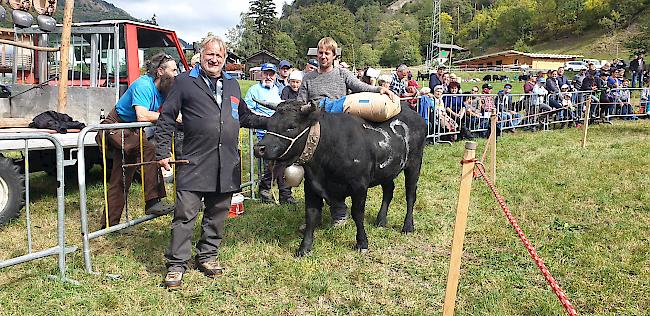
column 408, row 229
column 303, row 253
column 381, row 223
column 361, row 249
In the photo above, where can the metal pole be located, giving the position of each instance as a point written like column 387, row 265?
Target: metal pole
column 459, row 228
column 81, row 177
column 116, row 70
column 493, row 147
column 94, row 60
column 586, row 125
column 27, row 213
column 60, row 192
column 251, row 159
column 65, row 55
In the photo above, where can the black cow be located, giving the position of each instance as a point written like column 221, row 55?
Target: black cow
column 351, row 156
column 487, row 78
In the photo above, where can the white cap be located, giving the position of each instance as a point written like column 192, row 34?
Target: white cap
column 295, row 75
column 372, row 72
column 565, row 86
column 385, row 78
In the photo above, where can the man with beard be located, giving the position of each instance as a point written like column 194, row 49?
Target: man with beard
column 267, row 91
column 210, row 101
column 140, row 103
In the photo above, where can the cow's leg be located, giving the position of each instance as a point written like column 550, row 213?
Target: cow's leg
column 411, row 175
column 387, row 189
column 313, row 210
column 358, row 210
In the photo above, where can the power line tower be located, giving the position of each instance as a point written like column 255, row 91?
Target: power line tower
column 434, row 46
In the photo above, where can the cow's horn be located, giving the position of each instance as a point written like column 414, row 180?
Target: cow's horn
column 312, row 106
column 305, row 108
column 270, row 105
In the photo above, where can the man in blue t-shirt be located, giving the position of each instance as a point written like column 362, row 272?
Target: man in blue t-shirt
column 140, row 103
column 267, row 91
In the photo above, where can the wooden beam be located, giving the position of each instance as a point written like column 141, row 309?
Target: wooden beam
column 65, row 52
column 14, row 122
column 459, row 229
column 28, row 46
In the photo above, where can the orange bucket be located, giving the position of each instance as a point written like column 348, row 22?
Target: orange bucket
column 236, row 205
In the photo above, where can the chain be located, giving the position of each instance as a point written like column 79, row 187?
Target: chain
column 124, row 187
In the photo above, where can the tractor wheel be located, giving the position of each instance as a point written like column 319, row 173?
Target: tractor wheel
column 12, row 190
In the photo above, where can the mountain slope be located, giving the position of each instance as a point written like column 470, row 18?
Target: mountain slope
column 84, row 11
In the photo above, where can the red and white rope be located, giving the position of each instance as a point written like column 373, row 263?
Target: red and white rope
column 531, row 250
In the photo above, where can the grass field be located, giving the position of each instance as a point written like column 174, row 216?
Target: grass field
column 586, row 210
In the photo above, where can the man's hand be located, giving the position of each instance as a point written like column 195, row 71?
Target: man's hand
column 165, row 163
column 389, row 93
column 179, row 119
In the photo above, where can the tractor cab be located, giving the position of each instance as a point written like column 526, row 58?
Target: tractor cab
column 105, row 58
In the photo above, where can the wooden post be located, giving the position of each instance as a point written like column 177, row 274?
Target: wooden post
column 586, row 125
column 459, row 229
column 493, row 148
column 65, row 52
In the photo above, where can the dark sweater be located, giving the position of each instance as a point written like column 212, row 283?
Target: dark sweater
column 288, row 94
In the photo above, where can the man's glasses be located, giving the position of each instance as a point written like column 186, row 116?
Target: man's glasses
column 475, row 91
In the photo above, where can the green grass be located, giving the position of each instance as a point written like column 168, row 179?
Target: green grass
column 586, row 211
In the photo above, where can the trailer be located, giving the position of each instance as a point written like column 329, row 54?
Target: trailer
column 105, row 58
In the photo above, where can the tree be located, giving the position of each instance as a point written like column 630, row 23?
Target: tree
column 404, row 50
column 639, row 44
column 521, row 46
column 285, row 48
column 365, row 56
column 367, row 19
column 243, row 39
column 263, row 14
column 317, row 21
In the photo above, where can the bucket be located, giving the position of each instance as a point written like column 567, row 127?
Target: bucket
column 236, row 205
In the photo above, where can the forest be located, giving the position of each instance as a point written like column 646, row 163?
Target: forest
column 373, row 34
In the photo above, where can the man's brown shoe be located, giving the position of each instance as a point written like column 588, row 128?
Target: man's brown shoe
column 210, row 269
column 173, row 279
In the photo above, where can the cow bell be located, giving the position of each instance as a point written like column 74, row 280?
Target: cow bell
column 46, row 23
column 22, row 18
column 293, row 175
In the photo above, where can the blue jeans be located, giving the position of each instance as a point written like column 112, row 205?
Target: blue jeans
column 512, row 119
column 637, row 76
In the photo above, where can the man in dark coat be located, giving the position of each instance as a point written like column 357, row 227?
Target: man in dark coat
column 213, row 111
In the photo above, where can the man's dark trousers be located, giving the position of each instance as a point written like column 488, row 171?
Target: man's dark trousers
column 277, row 174
column 154, row 186
column 188, row 204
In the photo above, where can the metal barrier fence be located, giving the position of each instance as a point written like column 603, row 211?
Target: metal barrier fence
column 83, row 199
column 60, row 249
column 471, row 112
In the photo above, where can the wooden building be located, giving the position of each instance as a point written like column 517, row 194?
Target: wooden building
column 6, row 51
column 260, row 58
column 513, row 58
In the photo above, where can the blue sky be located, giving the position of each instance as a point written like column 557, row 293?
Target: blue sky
column 191, row 20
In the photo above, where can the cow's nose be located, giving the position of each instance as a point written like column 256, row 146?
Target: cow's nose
column 259, row 150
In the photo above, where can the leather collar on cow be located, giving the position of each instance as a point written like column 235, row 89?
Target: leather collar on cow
column 310, row 144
